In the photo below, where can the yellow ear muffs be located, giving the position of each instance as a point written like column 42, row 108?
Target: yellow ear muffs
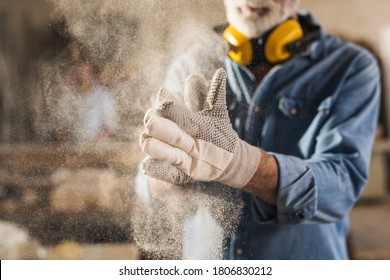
column 241, row 50
column 275, row 48
column 273, row 44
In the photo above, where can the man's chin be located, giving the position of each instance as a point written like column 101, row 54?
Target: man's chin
column 251, row 28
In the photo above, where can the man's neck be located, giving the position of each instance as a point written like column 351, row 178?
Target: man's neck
column 260, row 70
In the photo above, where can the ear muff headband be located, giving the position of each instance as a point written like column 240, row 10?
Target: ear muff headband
column 274, row 44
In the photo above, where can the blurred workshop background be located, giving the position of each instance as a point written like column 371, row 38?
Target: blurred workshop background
column 66, row 193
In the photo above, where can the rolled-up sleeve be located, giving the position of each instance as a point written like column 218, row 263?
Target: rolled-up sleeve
column 324, row 186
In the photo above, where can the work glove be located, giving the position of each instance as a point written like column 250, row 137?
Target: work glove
column 185, row 146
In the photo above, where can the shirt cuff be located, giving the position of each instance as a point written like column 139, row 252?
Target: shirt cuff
column 297, row 194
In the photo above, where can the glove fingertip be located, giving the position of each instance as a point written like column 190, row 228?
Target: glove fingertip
column 150, row 167
column 149, row 114
column 217, row 92
column 142, row 138
column 195, row 80
column 195, row 92
column 163, row 95
column 164, row 100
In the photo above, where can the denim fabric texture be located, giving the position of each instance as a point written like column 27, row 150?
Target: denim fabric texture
column 317, row 114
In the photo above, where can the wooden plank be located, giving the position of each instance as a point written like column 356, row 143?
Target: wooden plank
column 70, row 250
column 22, row 181
column 30, row 159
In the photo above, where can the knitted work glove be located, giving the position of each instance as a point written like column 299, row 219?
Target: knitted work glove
column 184, row 146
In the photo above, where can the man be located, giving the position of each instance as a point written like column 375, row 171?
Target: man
column 306, row 125
column 86, row 111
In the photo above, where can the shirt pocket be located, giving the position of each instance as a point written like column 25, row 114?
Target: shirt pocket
column 291, row 120
column 298, row 108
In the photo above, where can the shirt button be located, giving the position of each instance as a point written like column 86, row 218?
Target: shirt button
column 242, row 204
column 294, row 111
column 239, row 251
column 301, row 215
column 257, row 109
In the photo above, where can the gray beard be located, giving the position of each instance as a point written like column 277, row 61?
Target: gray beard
column 253, row 26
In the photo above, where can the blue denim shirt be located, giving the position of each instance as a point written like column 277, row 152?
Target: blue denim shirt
column 317, row 114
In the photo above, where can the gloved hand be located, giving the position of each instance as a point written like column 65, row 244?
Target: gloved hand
column 184, row 146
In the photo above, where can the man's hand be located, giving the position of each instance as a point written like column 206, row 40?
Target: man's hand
column 184, row 146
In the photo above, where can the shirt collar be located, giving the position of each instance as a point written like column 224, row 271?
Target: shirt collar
column 317, row 48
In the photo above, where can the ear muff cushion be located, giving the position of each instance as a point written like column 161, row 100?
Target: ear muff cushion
column 240, row 46
column 286, row 33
